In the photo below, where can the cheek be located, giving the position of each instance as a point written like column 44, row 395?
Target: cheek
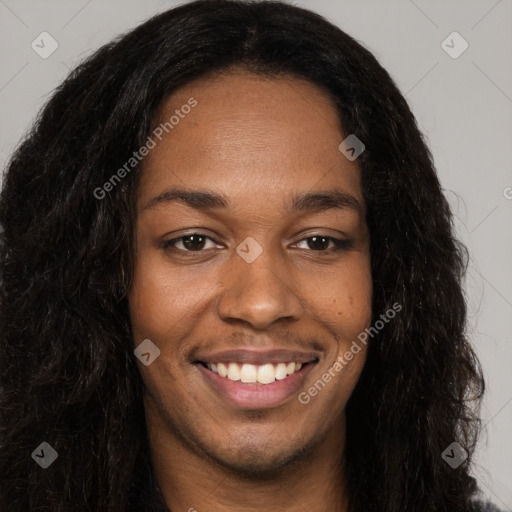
column 146, row 304
column 354, row 313
column 344, row 299
column 345, row 307
column 155, row 305
column 165, row 304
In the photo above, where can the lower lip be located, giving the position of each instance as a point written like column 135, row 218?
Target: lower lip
column 256, row 396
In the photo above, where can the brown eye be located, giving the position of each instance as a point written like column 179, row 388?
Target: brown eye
column 318, row 243
column 194, row 242
column 321, row 244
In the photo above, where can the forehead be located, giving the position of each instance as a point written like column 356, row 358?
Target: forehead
column 249, row 135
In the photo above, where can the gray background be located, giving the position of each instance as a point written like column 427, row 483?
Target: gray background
column 463, row 106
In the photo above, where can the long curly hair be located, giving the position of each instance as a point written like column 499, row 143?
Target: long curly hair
column 68, row 373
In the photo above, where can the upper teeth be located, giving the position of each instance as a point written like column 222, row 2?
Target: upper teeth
column 264, row 374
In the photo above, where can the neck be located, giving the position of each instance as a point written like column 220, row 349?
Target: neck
column 192, row 481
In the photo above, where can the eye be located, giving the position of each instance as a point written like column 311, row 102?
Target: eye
column 193, row 242
column 320, row 243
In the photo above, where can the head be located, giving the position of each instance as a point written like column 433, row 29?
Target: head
column 92, row 270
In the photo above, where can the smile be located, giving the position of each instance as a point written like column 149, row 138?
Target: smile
column 255, row 385
column 251, row 373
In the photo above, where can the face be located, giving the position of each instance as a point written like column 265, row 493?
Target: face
column 264, row 274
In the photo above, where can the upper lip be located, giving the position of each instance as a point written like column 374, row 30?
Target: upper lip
column 258, row 357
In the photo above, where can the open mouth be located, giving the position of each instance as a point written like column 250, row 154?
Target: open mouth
column 255, row 386
column 255, row 374
column 255, row 379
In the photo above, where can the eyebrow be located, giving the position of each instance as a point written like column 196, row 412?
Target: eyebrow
column 207, row 200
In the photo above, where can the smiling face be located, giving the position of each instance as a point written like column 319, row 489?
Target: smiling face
column 268, row 266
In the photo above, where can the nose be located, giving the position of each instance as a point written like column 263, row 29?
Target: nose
column 259, row 293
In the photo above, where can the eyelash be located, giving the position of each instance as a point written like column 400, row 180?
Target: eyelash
column 339, row 244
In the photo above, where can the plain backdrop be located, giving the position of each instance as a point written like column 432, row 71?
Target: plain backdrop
column 463, row 106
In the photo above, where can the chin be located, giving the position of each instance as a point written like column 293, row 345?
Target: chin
column 254, row 459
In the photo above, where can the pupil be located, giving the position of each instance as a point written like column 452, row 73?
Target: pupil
column 190, row 245
column 313, row 243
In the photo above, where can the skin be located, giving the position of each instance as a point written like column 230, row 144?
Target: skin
column 257, row 141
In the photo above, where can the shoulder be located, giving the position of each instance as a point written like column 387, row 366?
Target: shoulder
column 487, row 506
